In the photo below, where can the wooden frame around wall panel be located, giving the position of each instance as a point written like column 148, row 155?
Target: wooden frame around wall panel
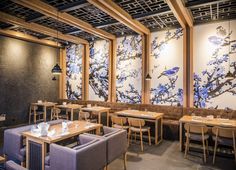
column 85, row 74
column 62, row 77
column 112, row 71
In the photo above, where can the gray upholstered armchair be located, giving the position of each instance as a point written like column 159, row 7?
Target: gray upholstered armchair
column 13, row 146
column 90, row 154
column 116, row 143
column 10, row 165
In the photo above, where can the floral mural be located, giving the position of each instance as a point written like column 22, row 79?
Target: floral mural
column 166, row 67
column 98, row 67
column 211, row 86
column 129, row 69
column 74, row 54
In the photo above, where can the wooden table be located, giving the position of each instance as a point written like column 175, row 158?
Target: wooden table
column 74, row 129
column 147, row 116
column 98, row 110
column 44, row 105
column 71, row 107
column 2, row 160
column 205, row 121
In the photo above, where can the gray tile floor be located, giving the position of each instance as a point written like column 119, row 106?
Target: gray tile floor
column 166, row 156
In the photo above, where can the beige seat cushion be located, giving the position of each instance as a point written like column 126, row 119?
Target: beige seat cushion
column 143, row 129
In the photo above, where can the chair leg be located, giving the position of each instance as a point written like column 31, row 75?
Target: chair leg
column 129, row 136
column 207, row 147
column 214, row 155
column 125, row 160
column 149, row 137
column 135, row 136
column 35, row 119
column 141, row 140
column 204, row 149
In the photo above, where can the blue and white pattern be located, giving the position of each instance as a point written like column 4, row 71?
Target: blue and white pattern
column 129, row 69
column 211, row 88
column 74, row 55
column 98, row 67
column 166, row 67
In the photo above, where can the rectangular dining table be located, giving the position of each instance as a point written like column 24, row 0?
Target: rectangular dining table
column 205, row 121
column 98, row 110
column 45, row 105
column 71, row 107
column 75, row 128
column 147, row 116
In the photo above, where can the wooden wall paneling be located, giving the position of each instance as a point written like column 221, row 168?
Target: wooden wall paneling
column 85, row 91
column 185, row 69
column 190, row 65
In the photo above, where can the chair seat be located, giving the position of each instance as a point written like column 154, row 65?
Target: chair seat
column 223, row 141
column 143, row 129
column 197, row 137
column 120, row 127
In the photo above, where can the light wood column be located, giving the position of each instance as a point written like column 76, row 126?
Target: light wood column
column 85, row 73
column 112, row 71
column 62, row 77
column 145, row 68
column 188, row 67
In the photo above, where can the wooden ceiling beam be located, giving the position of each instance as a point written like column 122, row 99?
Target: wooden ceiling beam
column 26, row 37
column 120, row 15
column 40, row 29
column 52, row 12
column 180, row 12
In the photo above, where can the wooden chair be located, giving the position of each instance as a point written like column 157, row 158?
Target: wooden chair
column 138, row 126
column 119, row 122
column 224, row 136
column 87, row 117
column 55, row 114
column 35, row 113
column 196, row 132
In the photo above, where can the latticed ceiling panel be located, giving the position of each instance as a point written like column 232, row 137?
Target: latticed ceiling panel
column 138, row 7
column 16, row 10
column 29, row 32
column 159, row 22
column 55, row 24
column 212, row 10
column 62, row 3
column 92, row 15
column 118, row 30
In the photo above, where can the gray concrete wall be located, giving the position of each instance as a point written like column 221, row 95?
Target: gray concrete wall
column 25, row 77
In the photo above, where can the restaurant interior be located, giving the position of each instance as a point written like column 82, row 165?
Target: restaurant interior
column 118, row 84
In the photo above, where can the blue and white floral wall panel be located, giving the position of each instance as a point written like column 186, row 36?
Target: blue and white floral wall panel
column 129, row 69
column 214, row 45
column 166, row 67
column 74, row 55
column 98, row 67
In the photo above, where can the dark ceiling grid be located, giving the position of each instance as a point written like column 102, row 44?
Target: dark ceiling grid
column 210, row 11
column 4, row 25
column 87, row 36
column 118, row 29
column 16, row 10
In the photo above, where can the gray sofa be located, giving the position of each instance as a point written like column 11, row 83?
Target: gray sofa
column 13, row 146
column 88, row 155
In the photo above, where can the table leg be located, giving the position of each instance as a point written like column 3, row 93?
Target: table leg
column 27, row 153
column 44, row 114
column 161, row 128
column 72, row 114
column 43, row 154
column 98, row 130
column 99, row 117
column 156, row 131
column 180, row 136
column 108, row 118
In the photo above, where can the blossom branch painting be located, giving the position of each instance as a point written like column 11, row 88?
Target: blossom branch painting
column 166, row 67
column 129, row 69
column 210, row 83
column 98, row 67
column 74, row 55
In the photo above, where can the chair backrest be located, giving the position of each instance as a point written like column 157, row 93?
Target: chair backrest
column 224, row 132
column 84, row 115
column 136, row 122
column 118, row 120
column 196, row 128
column 33, row 108
column 56, row 110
